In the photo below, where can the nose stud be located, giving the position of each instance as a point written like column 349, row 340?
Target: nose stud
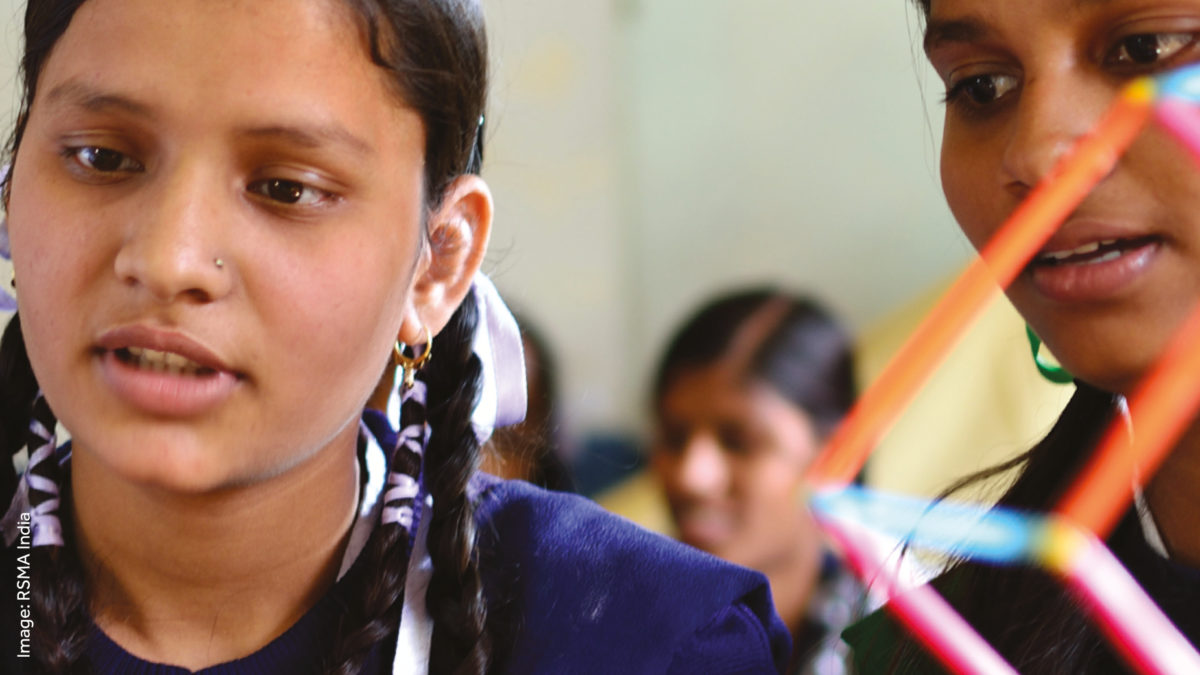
column 219, row 263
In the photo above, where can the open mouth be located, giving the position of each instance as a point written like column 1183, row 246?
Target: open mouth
column 163, row 373
column 161, row 362
column 1093, row 253
column 1096, row 271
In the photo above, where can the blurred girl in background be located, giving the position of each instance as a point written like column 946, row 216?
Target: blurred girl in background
column 747, row 389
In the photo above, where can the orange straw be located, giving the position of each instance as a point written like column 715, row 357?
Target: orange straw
column 1016, row 242
column 1161, row 407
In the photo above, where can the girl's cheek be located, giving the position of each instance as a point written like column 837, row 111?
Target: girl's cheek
column 970, row 204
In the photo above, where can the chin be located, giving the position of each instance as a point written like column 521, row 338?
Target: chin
column 182, row 476
column 1118, row 375
column 719, row 549
column 168, row 466
column 1112, row 352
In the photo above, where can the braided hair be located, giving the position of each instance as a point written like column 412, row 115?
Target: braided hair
column 455, row 597
column 58, row 600
column 436, row 54
column 1025, row 612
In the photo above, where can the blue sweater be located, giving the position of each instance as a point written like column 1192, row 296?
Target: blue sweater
column 576, row 590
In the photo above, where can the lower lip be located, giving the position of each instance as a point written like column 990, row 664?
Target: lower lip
column 704, row 533
column 165, row 394
column 1095, row 281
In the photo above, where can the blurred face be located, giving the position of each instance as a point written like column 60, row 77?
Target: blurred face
column 215, row 219
column 1024, row 80
column 730, row 454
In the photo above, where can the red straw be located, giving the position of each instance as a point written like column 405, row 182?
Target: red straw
column 1016, row 242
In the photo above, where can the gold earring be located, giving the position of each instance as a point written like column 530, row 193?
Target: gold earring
column 414, row 363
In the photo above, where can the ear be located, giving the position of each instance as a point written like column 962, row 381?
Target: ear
column 457, row 240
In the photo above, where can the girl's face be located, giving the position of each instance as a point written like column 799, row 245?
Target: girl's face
column 1024, row 81
column 215, row 218
column 731, row 454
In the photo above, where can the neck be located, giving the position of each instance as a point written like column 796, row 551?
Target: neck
column 1174, row 499
column 793, row 576
column 200, row 579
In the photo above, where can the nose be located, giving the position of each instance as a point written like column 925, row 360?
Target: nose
column 1054, row 111
column 172, row 247
column 702, row 469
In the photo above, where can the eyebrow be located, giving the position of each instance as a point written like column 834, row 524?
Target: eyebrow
column 314, row 136
column 310, row 136
column 940, row 32
column 82, row 95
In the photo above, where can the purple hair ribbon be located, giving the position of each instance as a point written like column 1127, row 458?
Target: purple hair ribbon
column 44, row 527
column 7, row 302
column 47, row 530
column 402, row 498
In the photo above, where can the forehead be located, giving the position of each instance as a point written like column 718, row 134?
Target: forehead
column 213, row 60
column 222, row 31
column 953, row 22
column 936, row 6
column 721, row 391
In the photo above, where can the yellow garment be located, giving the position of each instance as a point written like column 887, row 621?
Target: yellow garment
column 640, row 499
column 983, row 405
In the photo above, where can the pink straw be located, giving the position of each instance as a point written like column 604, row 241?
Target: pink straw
column 930, row 618
column 1181, row 119
column 1145, row 636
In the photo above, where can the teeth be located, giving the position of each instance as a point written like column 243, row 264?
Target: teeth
column 1111, row 255
column 162, row 362
column 1082, row 250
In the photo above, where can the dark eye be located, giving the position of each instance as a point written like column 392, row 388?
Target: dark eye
column 734, row 440
column 289, row 192
column 1148, row 48
column 103, row 160
column 286, row 191
column 981, row 90
column 671, row 439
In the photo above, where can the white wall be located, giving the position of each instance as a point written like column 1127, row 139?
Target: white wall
column 559, row 251
column 755, row 140
column 645, row 153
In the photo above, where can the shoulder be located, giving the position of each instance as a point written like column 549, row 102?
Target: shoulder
column 596, row 593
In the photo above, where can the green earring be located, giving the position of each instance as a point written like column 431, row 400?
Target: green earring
column 1053, row 373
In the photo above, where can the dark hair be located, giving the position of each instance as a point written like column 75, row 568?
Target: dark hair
column 1024, row 612
column 436, row 51
column 800, row 350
